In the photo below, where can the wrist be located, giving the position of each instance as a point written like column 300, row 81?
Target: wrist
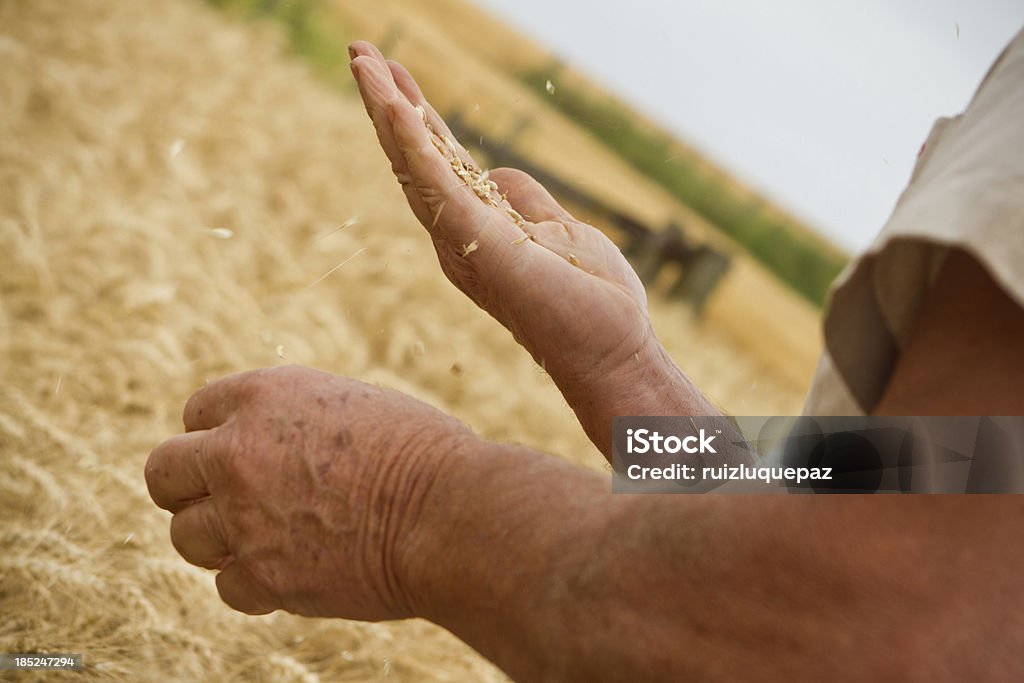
column 646, row 383
column 444, row 565
column 494, row 541
column 418, row 510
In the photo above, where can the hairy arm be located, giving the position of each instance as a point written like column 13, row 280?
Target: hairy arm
column 541, row 569
column 286, row 483
column 575, row 582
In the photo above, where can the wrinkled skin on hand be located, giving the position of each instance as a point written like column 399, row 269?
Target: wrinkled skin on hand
column 567, row 295
column 300, row 486
column 305, row 489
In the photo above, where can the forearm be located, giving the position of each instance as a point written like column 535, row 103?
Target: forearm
column 537, row 566
column 491, row 554
column 540, row 568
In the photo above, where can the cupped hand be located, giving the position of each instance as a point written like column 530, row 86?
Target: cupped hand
column 560, row 286
column 301, row 488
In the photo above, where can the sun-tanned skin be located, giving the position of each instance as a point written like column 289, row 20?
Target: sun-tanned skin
column 324, row 496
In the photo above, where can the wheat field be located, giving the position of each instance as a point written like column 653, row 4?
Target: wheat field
column 173, row 187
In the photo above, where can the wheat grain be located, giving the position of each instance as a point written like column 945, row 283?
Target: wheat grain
column 334, row 269
column 437, row 215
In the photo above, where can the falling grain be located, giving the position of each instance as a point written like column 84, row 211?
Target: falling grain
column 334, row 269
column 347, row 224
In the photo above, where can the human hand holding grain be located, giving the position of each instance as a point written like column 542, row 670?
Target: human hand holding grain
column 559, row 285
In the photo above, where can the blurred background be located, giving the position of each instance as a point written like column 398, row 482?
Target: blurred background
column 820, row 106
column 739, row 146
column 190, row 188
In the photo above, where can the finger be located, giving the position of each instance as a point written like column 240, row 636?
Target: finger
column 378, row 91
column 364, row 48
column 368, row 61
column 212, row 405
column 462, row 217
column 528, row 197
column 411, row 89
column 175, row 471
column 197, row 533
column 241, row 591
column 438, row 197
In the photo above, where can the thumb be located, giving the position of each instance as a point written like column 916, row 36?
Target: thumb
column 241, row 591
column 551, row 226
column 528, row 197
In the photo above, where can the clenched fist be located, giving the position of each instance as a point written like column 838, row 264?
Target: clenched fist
column 301, row 488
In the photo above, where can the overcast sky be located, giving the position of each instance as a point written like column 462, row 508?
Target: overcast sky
column 821, row 105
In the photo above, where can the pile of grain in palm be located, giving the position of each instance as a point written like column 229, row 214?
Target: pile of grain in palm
column 173, row 190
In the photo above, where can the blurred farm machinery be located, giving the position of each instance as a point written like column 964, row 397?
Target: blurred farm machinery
column 664, row 256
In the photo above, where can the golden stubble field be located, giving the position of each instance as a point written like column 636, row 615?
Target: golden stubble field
column 171, row 188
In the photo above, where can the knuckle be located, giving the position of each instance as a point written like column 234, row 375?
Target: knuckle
column 228, row 454
column 266, row 581
column 255, row 384
column 192, row 407
column 181, row 532
column 153, row 467
column 252, row 382
column 283, row 373
column 222, row 457
column 209, row 523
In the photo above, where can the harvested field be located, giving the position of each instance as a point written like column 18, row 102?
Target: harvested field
column 175, row 191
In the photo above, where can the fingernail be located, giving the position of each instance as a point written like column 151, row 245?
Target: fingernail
column 351, row 53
